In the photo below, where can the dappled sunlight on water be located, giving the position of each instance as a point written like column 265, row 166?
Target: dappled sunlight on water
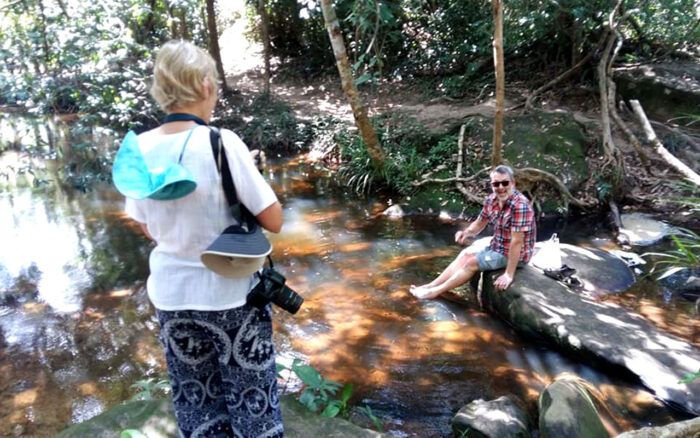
column 683, row 324
column 69, row 354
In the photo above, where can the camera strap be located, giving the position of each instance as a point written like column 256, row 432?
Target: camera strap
column 238, row 210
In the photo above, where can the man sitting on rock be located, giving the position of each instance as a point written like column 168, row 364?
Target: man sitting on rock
column 514, row 229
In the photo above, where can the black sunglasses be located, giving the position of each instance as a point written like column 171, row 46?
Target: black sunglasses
column 502, row 183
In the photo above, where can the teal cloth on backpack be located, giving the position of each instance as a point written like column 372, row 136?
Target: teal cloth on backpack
column 134, row 179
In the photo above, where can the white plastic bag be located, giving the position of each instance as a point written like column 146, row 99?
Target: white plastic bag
column 549, row 255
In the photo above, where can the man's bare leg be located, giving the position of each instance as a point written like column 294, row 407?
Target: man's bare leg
column 458, row 278
column 458, row 263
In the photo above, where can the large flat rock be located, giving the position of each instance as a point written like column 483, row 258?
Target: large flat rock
column 606, row 333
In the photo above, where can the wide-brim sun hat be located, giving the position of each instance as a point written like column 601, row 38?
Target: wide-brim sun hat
column 133, row 178
column 237, row 252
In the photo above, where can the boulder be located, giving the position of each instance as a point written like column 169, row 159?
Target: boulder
column 666, row 90
column 302, row 423
column 156, row 418
column 681, row 429
column 604, row 333
column 500, row 418
column 685, row 283
column 643, row 230
column 554, row 142
column 567, row 410
column 599, row 271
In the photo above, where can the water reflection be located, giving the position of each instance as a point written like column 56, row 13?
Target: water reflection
column 76, row 328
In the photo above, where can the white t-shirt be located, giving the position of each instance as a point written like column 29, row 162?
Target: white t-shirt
column 184, row 227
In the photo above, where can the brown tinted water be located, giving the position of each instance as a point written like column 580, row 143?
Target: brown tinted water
column 76, row 329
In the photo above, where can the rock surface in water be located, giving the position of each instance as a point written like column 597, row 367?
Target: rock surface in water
column 156, row 418
column 500, row 418
column 642, row 230
column 605, row 333
column 566, row 410
column 681, row 429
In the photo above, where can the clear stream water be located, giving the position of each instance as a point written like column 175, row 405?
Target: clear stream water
column 76, row 329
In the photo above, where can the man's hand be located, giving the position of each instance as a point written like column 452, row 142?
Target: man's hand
column 503, row 281
column 462, row 236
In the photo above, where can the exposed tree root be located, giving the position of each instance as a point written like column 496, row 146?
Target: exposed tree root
column 533, row 175
column 460, row 186
column 665, row 154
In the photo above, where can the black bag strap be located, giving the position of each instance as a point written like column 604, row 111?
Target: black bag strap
column 238, row 210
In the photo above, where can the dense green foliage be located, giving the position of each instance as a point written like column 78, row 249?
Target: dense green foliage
column 91, row 58
column 61, row 56
column 449, row 41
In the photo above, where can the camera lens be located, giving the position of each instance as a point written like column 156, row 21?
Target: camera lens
column 287, row 299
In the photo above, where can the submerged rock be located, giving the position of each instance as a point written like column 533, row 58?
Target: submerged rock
column 394, row 211
column 567, row 410
column 500, row 418
column 643, row 230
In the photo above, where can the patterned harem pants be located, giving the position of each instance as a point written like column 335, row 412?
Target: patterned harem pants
column 222, row 372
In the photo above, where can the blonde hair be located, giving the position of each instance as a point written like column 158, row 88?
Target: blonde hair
column 179, row 73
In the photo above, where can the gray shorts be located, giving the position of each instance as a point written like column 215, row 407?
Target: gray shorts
column 490, row 260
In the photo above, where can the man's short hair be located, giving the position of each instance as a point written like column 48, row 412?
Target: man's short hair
column 179, row 73
column 504, row 170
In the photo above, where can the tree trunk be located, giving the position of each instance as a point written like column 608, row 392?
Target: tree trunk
column 359, row 110
column 44, row 38
column 608, row 144
column 265, row 35
column 214, row 42
column 184, row 30
column 496, row 158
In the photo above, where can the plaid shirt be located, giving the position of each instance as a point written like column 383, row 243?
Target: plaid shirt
column 516, row 215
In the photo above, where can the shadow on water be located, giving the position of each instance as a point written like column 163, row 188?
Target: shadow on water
column 76, row 328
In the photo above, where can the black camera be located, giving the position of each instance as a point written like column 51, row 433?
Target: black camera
column 271, row 288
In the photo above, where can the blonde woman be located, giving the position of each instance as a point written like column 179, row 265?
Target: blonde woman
column 219, row 350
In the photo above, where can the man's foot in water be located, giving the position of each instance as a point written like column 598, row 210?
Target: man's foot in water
column 425, row 292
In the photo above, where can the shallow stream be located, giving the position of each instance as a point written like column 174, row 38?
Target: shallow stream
column 76, row 329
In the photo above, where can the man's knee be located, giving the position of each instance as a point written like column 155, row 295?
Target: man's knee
column 468, row 260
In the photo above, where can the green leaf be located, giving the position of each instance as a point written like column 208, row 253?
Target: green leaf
column 690, row 377
column 347, row 392
column 331, row 410
column 362, row 79
column 308, row 399
column 308, row 375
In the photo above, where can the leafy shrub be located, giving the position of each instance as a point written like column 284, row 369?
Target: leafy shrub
column 318, row 393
